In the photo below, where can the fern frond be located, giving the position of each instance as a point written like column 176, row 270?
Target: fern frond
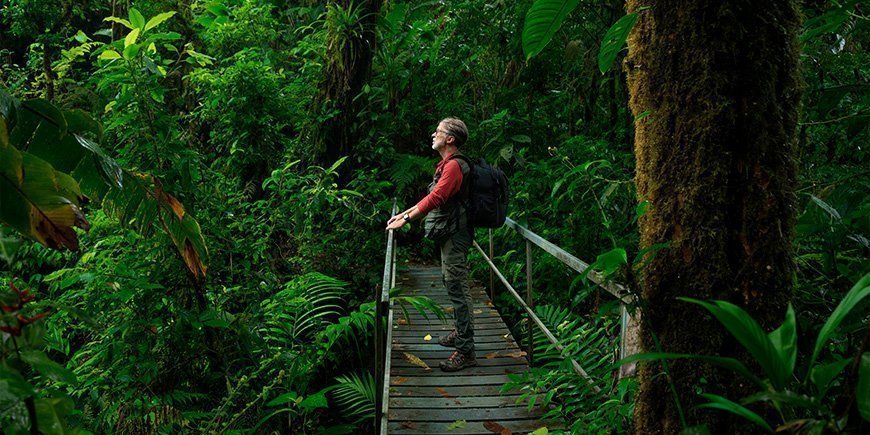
column 409, row 169
column 356, row 396
column 304, row 308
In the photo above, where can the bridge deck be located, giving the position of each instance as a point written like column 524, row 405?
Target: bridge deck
column 433, row 401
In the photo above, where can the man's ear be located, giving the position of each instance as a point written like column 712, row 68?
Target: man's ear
column 450, row 140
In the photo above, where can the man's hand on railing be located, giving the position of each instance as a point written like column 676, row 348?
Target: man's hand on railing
column 396, row 222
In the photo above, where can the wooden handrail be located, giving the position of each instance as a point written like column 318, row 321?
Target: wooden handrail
column 615, row 289
column 538, row 321
column 383, row 336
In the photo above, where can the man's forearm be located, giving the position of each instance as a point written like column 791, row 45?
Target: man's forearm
column 412, row 212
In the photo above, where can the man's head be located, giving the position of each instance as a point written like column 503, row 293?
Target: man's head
column 450, row 131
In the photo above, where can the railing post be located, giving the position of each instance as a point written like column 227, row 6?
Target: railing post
column 380, row 351
column 529, row 300
column 491, row 273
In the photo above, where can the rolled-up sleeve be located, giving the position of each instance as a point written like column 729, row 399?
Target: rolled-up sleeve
column 448, row 185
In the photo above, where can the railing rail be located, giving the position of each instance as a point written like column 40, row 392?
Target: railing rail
column 628, row 323
column 384, row 332
column 384, row 310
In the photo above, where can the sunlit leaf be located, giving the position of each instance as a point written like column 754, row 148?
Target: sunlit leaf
column 157, row 20
column 131, row 38
column 458, row 424
column 109, row 55
column 136, row 18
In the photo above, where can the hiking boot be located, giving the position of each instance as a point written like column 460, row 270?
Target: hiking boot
column 448, row 340
column 458, row 361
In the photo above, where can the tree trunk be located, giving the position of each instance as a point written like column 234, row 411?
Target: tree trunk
column 715, row 161
column 47, row 53
column 348, row 68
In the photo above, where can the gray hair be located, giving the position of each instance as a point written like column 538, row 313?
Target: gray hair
column 456, row 128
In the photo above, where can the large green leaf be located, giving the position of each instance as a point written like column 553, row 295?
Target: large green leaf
column 784, row 340
column 862, row 390
column 542, row 21
column 51, row 415
column 38, row 201
column 46, row 367
column 724, row 362
column 614, row 40
column 747, row 331
column 13, row 387
column 719, row 402
column 136, row 19
column 821, row 376
column 41, row 188
column 157, row 20
column 858, row 292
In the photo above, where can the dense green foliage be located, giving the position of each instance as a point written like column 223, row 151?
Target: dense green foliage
column 229, row 110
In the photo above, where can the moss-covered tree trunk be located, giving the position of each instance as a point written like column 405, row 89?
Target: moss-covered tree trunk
column 715, row 160
column 350, row 49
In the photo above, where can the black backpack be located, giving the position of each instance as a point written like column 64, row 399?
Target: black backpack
column 487, row 194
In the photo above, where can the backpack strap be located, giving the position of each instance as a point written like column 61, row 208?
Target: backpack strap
column 465, row 165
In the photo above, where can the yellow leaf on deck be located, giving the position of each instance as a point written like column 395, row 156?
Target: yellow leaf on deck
column 458, row 424
column 413, row 359
column 428, row 337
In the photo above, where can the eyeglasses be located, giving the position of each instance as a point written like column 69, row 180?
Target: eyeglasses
column 438, row 130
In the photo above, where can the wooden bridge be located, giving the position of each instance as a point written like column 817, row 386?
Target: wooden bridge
column 428, row 400
column 417, row 397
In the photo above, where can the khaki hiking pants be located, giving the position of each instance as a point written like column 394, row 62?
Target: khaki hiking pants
column 454, row 272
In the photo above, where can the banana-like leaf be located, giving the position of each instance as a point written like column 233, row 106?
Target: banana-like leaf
column 858, row 292
column 862, row 390
column 50, row 162
column 36, row 200
column 542, row 21
column 719, row 402
column 747, row 331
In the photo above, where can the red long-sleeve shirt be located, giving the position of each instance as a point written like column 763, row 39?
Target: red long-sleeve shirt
column 448, row 185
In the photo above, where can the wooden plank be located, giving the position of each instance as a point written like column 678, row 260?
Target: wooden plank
column 471, row 427
column 463, row 413
column 478, row 332
column 419, row 339
column 428, row 401
column 478, row 320
column 402, row 372
column 436, row 381
column 448, row 391
column 442, row 402
column 432, row 362
column 478, row 346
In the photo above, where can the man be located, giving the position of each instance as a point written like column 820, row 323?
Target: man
column 446, row 223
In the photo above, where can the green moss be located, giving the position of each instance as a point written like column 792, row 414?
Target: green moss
column 715, row 162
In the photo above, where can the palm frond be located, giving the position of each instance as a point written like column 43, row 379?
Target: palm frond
column 355, row 395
